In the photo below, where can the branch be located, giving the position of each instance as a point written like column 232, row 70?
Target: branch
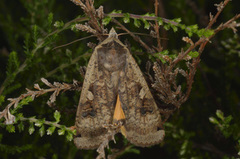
column 34, row 120
column 165, row 75
column 56, row 88
column 220, row 8
column 136, row 38
column 203, row 41
column 93, row 24
column 134, row 16
column 156, row 27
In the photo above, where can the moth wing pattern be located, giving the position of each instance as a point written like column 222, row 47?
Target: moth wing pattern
column 112, row 72
column 143, row 120
column 92, row 112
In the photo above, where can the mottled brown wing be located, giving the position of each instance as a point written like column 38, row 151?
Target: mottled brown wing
column 96, row 105
column 99, row 93
column 112, row 71
column 143, row 120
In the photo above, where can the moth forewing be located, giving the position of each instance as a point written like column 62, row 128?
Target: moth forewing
column 89, row 132
column 143, row 120
column 113, row 72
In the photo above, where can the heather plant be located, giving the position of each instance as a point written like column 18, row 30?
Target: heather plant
column 192, row 68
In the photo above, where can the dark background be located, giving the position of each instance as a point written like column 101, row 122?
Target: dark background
column 189, row 132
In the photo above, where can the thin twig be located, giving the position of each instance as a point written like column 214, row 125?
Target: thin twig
column 220, row 9
column 165, row 77
column 55, row 87
column 203, row 41
column 156, row 27
column 65, row 65
column 34, row 120
column 73, row 42
column 136, row 38
column 135, row 16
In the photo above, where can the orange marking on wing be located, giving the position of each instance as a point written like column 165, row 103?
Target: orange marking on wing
column 119, row 115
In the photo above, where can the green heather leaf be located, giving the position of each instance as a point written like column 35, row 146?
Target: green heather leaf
column 158, row 55
column 177, row 20
column 42, row 131
column 57, row 116
column 182, row 26
column 166, row 26
column 149, row 14
column 35, row 34
column 164, row 52
column 2, row 98
column 69, row 54
column 126, row 18
column 50, row 20
column 51, row 130
column 213, row 120
column 208, row 33
column 163, row 60
column 205, row 33
column 193, row 54
column 106, row 20
column 228, row 119
column 59, row 24
column 12, row 87
column 193, row 27
column 74, row 132
column 160, row 21
column 181, row 132
column 31, row 128
column 25, row 101
column 20, row 126
column 174, row 28
column 137, row 23
column 69, row 136
column 19, row 115
column 175, row 135
column 190, row 33
column 173, row 56
column 13, row 63
column 27, row 45
column 190, row 30
column 220, row 114
column 116, row 11
column 10, row 128
column 61, row 131
column 132, row 149
column 38, row 123
column 184, row 145
column 146, row 23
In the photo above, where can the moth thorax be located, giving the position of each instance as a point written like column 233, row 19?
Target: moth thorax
column 113, row 33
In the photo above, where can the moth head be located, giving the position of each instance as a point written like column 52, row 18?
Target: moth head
column 113, row 34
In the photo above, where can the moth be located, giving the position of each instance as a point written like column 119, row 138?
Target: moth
column 113, row 76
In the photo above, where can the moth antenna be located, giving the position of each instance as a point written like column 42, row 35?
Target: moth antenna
column 73, row 42
column 143, row 34
column 112, row 33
